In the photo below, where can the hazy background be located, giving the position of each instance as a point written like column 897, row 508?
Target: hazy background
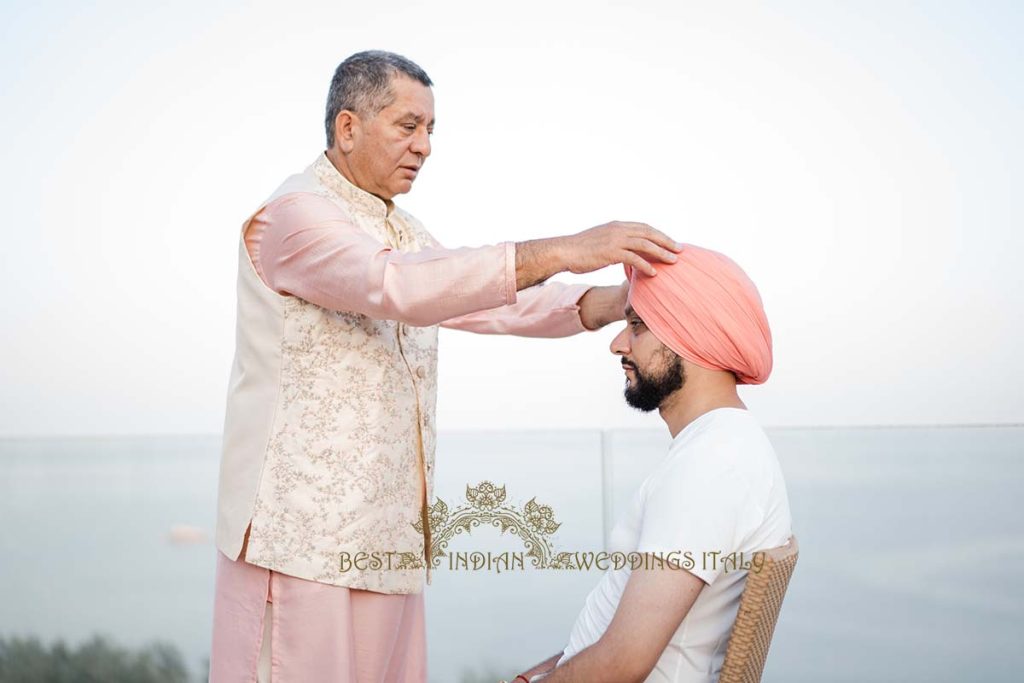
column 862, row 161
column 911, row 547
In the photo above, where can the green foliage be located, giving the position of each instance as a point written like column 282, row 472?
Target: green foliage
column 26, row 660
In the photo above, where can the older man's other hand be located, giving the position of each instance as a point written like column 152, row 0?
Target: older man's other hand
column 600, row 306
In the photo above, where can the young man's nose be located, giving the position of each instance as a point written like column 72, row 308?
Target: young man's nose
column 620, row 345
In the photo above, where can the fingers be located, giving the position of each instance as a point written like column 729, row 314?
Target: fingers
column 651, row 250
column 644, row 231
column 634, row 244
column 662, row 240
column 639, row 263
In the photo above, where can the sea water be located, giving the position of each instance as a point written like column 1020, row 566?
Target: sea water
column 910, row 569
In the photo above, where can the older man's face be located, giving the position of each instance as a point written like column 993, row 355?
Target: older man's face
column 390, row 147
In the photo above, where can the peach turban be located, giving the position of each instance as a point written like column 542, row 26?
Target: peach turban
column 706, row 309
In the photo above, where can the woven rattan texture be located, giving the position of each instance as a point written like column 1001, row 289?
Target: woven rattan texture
column 758, row 613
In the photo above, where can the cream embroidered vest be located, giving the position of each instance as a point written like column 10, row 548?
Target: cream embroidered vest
column 329, row 432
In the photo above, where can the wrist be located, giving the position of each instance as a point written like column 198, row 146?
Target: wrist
column 537, row 260
column 611, row 310
column 557, row 254
column 588, row 310
column 600, row 306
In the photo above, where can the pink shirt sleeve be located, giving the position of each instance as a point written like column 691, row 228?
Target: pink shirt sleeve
column 547, row 310
column 550, row 309
column 304, row 245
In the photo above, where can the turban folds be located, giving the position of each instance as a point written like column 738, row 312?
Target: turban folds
column 706, row 309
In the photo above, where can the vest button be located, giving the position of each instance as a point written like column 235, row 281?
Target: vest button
column 421, row 372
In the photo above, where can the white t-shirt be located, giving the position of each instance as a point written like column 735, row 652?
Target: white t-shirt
column 720, row 489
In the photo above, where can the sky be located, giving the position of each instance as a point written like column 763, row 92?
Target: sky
column 861, row 160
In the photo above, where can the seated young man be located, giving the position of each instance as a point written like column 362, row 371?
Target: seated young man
column 692, row 333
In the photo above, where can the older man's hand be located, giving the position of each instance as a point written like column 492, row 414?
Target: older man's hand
column 600, row 306
column 635, row 244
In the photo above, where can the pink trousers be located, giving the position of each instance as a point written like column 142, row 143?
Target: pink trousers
column 269, row 627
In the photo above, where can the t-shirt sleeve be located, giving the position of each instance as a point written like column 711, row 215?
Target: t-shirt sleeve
column 695, row 514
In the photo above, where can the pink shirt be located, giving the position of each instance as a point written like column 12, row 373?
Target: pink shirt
column 302, row 244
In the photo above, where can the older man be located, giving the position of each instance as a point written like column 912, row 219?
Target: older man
column 329, row 434
column 691, row 335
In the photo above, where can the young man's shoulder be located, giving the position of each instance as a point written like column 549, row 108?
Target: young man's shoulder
column 724, row 433
column 728, row 450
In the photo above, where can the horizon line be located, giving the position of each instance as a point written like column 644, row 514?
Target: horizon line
column 128, row 435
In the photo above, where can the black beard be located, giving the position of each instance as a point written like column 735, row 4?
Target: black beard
column 647, row 392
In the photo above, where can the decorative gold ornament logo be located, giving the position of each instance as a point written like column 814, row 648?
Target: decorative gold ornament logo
column 533, row 523
column 486, row 506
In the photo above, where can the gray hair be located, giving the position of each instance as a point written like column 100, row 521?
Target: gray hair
column 362, row 84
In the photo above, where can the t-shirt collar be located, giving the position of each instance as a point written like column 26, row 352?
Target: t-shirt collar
column 694, row 426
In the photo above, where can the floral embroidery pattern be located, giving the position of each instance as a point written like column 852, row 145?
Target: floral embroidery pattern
column 344, row 471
